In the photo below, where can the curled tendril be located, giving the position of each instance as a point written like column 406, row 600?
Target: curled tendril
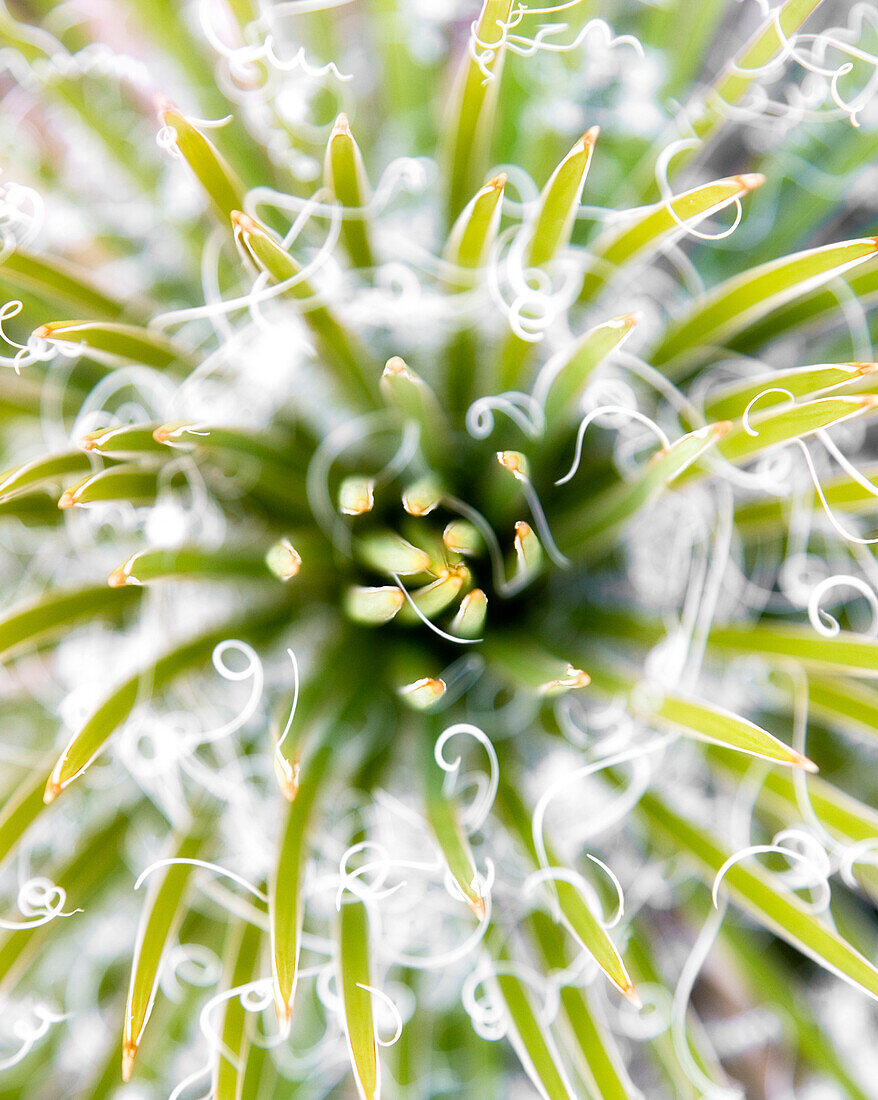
column 813, row 865
column 603, row 410
column 215, row 867
column 826, row 624
column 389, row 1004
column 30, row 1033
column 745, row 418
column 575, row 879
column 41, row 899
column 473, row 817
column 661, row 174
column 522, row 409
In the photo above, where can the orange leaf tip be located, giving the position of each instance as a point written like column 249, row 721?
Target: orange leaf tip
column 478, row 907
column 53, row 789
column 589, row 137
column 129, row 1052
column 630, row 993
column 498, row 182
column 341, row 126
column 244, row 222
column 396, row 367
column 67, row 499
column 284, row 1010
column 750, row 181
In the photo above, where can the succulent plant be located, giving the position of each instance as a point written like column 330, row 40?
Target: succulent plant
column 436, row 549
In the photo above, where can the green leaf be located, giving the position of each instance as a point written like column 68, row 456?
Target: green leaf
column 843, row 494
column 34, row 621
column 227, row 563
column 531, row 1040
column 754, row 891
column 444, row 821
column 129, row 482
column 562, row 381
column 22, row 809
column 353, row 367
column 848, row 653
column 738, row 76
column 707, row 722
column 647, row 229
column 472, row 107
column 219, row 182
column 776, row 427
column 415, row 400
column 354, row 980
column 153, row 677
column 125, row 441
column 345, row 177
column 843, row 702
column 601, row 1063
column 715, row 317
column 572, row 909
column 62, row 285
column 475, row 230
column 244, row 968
column 598, row 521
column 387, row 552
column 559, row 202
column 730, row 402
column 117, row 342
column 159, row 921
column 42, row 473
column 286, row 907
column 97, row 859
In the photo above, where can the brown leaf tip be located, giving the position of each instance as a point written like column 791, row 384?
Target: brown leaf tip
column 129, row 1052
column 750, row 181
column 53, row 789
column 244, row 222
column 341, row 126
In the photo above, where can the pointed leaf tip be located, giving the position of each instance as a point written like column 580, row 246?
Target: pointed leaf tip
column 129, row 1052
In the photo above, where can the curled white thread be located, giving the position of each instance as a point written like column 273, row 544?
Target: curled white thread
column 522, row 409
column 826, row 624
column 390, row 1005
column 575, row 879
column 474, row 816
column 41, row 899
column 432, row 626
column 813, row 865
column 208, row 867
column 30, row 1034
column 603, row 410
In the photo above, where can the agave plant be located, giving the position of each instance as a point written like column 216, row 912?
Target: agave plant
column 436, row 549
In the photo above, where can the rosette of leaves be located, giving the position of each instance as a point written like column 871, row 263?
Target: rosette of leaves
column 436, row 549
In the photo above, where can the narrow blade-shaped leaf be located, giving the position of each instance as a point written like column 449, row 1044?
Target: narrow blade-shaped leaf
column 286, row 906
column 753, row 890
column 646, row 230
column 707, row 722
column 116, row 342
column 219, row 182
column 345, row 176
column 354, row 980
column 472, row 105
column 160, row 918
column 729, row 402
column 117, row 706
column 720, row 313
column 35, row 620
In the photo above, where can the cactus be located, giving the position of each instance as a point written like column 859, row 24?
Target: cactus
column 437, row 536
